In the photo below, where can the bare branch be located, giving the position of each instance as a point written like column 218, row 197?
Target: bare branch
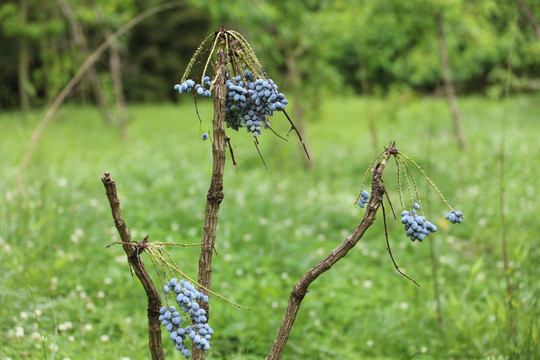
column 300, row 289
column 133, row 250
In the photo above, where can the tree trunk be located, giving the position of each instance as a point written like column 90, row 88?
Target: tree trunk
column 448, row 84
column 115, row 65
column 24, row 60
column 530, row 18
column 91, row 74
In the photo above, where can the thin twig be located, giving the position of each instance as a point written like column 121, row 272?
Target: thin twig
column 368, row 170
column 293, row 127
column 390, row 202
column 228, row 140
column 260, row 155
column 390, row 250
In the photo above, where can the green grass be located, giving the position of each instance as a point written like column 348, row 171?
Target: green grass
column 275, row 224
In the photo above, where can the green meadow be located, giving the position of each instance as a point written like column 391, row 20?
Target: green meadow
column 63, row 295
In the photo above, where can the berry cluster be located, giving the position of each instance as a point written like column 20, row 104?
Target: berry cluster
column 189, row 84
column 416, row 227
column 250, row 101
column 199, row 332
column 454, row 216
column 364, row 197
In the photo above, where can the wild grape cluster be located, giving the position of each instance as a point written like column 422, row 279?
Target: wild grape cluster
column 199, row 332
column 364, row 197
column 416, row 227
column 454, row 216
column 249, row 100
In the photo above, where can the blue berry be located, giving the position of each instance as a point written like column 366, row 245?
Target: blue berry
column 364, row 198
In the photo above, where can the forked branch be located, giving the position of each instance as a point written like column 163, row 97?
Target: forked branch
column 300, row 289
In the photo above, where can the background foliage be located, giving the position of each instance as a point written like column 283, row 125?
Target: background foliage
column 360, row 46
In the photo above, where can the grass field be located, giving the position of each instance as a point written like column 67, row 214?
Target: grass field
column 275, row 224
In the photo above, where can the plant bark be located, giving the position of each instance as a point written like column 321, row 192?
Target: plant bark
column 448, row 84
column 215, row 192
column 300, row 289
column 133, row 250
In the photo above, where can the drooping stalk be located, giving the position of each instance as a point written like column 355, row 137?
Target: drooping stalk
column 215, row 192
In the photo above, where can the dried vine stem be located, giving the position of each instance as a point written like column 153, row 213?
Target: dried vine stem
column 133, row 250
column 300, row 289
column 215, row 192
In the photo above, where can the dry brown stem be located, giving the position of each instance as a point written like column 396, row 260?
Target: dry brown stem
column 133, row 251
column 215, row 192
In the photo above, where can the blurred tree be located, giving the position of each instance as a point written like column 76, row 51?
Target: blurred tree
column 318, row 46
column 24, row 59
column 82, row 51
column 449, row 83
column 159, row 50
column 529, row 17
